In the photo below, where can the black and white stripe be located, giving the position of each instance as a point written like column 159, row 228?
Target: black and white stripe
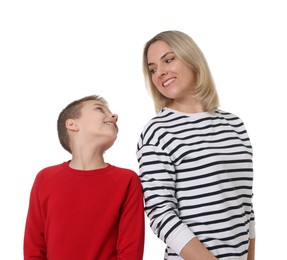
column 197, row 175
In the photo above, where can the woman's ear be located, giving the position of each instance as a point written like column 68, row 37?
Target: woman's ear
column 71, row 125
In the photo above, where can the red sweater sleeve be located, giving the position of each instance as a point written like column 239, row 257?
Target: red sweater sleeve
column 34, row 240
column 131, row 227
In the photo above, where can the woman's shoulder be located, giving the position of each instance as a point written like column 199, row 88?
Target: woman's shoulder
column 159, row 121
column 230, row 118
column 226, row 114
column 162, row 118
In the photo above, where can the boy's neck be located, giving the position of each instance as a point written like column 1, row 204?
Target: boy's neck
column 85, row 165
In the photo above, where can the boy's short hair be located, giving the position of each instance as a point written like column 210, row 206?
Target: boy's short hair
column 72, row 111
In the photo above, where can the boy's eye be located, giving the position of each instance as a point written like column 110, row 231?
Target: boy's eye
column 100, row 109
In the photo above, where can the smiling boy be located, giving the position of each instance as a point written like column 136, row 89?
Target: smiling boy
column 85, row 208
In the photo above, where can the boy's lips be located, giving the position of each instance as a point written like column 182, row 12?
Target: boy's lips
column 112, row 124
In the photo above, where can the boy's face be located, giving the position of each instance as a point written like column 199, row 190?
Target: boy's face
column 97, row 123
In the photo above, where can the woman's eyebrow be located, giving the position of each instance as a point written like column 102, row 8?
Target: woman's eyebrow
column 162, row 57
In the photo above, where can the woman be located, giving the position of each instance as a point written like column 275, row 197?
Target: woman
column 195, row 160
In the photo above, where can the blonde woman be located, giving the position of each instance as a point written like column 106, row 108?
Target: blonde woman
column 195, row 160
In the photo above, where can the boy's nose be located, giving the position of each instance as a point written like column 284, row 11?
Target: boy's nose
column 115, row 117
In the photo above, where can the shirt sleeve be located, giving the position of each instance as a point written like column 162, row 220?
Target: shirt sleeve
column 252, row 232
column 158, row 178
column 34, row 240
column 130, row 244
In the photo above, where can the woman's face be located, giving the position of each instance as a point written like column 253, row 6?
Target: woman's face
column 170, row 74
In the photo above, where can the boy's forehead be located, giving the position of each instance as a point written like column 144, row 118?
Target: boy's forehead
column 94, row 103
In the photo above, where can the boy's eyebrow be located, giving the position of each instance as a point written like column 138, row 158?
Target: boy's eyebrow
column 162, row 57
column 98, row 104
column 101, row 105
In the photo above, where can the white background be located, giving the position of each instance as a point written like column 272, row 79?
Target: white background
column 53, row 52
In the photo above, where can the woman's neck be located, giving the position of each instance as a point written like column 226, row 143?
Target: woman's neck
column 191, row 107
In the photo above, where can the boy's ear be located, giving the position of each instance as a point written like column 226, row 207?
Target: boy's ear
column 71, row 125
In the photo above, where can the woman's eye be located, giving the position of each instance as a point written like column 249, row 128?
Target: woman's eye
column 169, row 60
column 152, row 71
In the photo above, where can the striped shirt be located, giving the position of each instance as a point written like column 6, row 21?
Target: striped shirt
column 197, row 175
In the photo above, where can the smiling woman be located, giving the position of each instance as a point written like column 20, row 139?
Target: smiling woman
column 195, row 160
column 173, row 88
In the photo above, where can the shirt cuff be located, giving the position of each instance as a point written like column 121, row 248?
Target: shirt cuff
column 179, row 238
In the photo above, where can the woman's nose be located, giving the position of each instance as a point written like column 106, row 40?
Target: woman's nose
column 161, row 72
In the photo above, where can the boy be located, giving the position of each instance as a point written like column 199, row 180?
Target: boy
column 85, row 208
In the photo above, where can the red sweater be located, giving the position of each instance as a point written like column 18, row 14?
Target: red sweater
column 85, row 215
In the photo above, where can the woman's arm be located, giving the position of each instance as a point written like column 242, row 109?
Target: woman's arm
column 251, row 249
column 157, row 174
column 195, row 250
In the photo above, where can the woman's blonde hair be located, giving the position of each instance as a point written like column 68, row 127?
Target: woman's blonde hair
column 187, row 50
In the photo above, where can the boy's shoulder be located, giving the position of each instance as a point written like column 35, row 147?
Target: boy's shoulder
column 49, row 172
column 123, row 176
column 121, row 172
column 52, row 169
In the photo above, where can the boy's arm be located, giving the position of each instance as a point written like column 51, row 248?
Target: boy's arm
column 131, row 227
column 34, row 241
